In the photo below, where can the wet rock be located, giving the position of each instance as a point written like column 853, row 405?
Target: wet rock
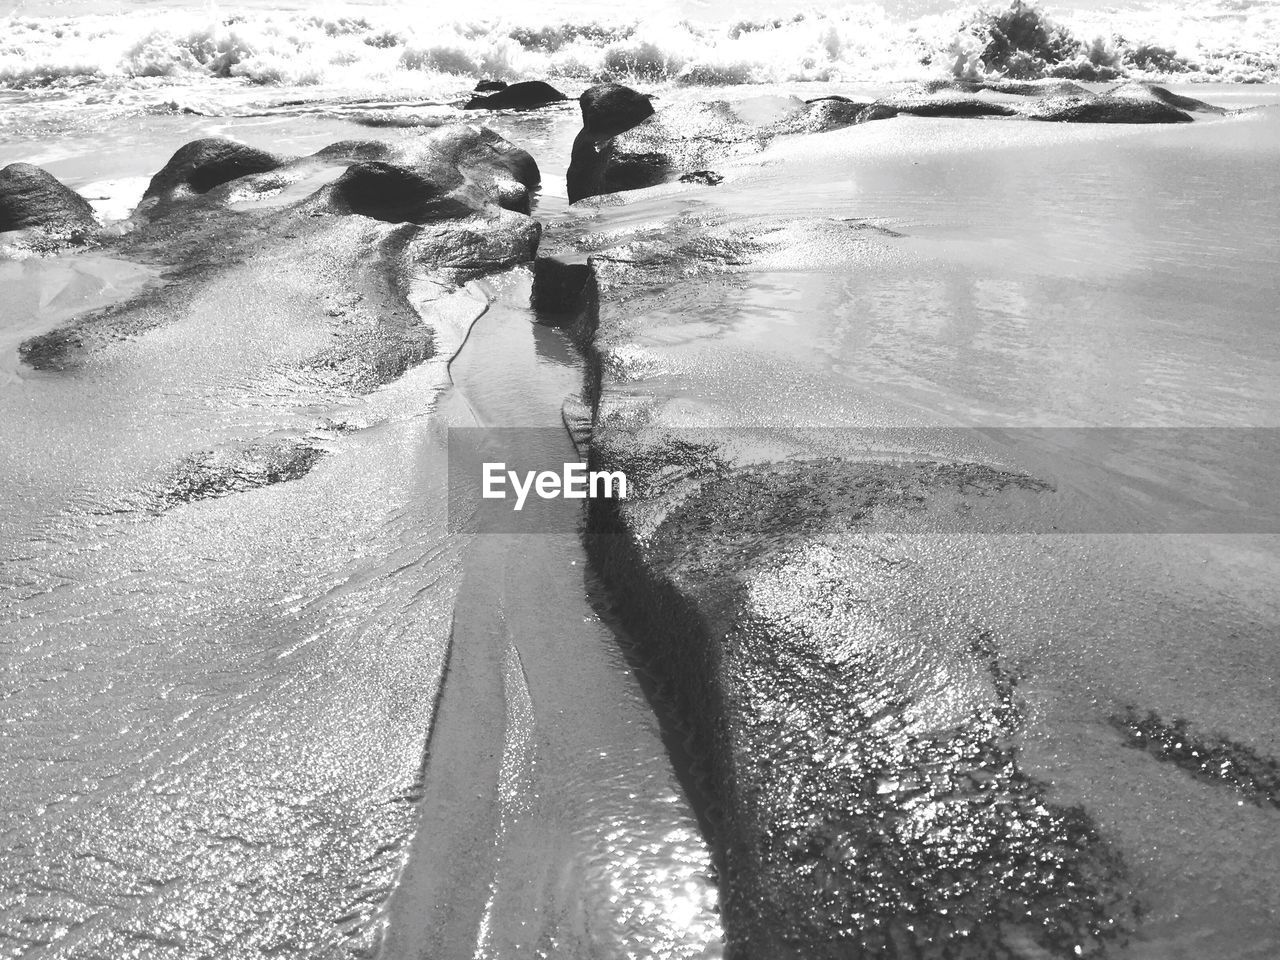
column 681, row 139
column 355, row 151
column 945, row 103
column 501, row 168
column 1106, row 109
column 708, row 178
column 490, row 86
column 473, row 165
column 558, row 286
column 525, row 95
column 201, row 165
column 31, row 199
column 1017, row 88
column 876, row 111
column 1060, row 100
column 1149, row 92
column 831, row 113
column 608, row 109
column 375, row 218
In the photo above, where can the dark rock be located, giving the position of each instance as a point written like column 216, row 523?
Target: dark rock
column 515, row 160
column 1149, row 92
column 610, row 108
column 1107, row 109
column 1034, row 88
column 945, row 102
column 955, row 108
column 395, row 194
column 707, row 178
column 32, row 198
column 356, row 150
column 490, row 86
column 681, row 139
column 693, row 138
column 461, row 152
column 876, row 111
column 831, row 113
column 473, row 163
column 360, row 218
column 558, row 285
column 1060, row 100
column 201, row 165
column 524, row 95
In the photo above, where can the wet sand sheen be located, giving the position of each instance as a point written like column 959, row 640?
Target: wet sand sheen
column 552, row 821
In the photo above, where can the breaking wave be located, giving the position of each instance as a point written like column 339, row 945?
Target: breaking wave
column 1233, row 40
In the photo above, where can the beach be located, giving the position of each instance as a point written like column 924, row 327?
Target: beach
column 938, row 618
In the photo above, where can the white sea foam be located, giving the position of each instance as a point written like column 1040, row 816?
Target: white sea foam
column 409, row 48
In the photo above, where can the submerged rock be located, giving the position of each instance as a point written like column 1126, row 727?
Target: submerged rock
column 525, row 95
column 32, row 199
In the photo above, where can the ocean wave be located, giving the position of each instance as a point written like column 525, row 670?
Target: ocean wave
column 1235, row 40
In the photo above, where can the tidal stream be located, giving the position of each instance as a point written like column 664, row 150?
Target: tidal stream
column 553, row 823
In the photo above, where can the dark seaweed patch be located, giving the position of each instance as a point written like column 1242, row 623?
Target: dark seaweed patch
column 873, row 841
column 707, row 178
column 208, row 474
column 1207, row 758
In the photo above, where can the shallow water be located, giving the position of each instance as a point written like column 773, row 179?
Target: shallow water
column 248, row 682
column 587, row 846
column 213, row 716
column 1043, row 276
column 42, row 293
